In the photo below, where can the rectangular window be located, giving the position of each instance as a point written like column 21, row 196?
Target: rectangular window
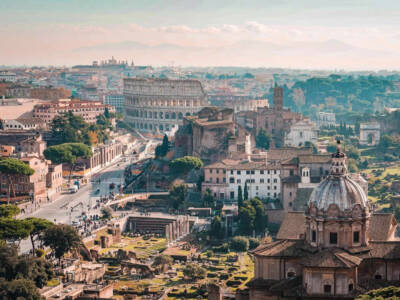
column 232, row 195
column 333, row 238
column 217, row 171
column 356, row 236
column 261, row 180
column 224, row 180
column 210, row 171
column 238, row 181
column 262, row 172
column 313, row 236
column 327, row 288
column 231, row 172
column 231, row 180
column 252, row 172
column 247, row 172
column 238, row 172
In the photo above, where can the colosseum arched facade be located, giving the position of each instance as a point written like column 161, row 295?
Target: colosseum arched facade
column 161, row 104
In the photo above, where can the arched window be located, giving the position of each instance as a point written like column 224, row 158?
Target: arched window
column 161, row 127
column 187, row 114
column 173, row 116
column 161, row 115
column 180, row 116
column 351, row 287
column 166, row 115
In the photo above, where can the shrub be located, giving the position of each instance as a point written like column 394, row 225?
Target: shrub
column 193, row 272
column 224, row 248
column 233, row 283
column 224, row 276
column 185, row 164
column 253, row 243
column 240, row 244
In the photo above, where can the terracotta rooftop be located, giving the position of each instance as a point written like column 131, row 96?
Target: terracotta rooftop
column 293, row 226
column 387, row 250
column 285, row 153
column 331, row 258
column 380, row 226
column 283, row 248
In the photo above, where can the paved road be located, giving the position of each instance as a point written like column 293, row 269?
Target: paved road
column 59, row 210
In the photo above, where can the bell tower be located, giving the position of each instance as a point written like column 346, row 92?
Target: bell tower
column 278, row 98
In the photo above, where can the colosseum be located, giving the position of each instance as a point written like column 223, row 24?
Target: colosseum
column 161, row 104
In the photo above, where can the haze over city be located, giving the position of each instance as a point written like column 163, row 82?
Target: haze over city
column 309, row 34
column 199, row 149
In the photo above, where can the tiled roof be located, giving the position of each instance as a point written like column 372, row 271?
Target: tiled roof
column 281, row 248
column 331, row 258
column 286, row 153
column 387, row 250
column 379, row 227
column 293, row 226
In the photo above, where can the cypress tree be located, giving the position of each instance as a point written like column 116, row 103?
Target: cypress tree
column 246, row 192
column 240, row 196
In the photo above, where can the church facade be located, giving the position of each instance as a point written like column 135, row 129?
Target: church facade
column 337, row 248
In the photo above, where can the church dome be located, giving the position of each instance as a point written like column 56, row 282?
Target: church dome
column 338, row 188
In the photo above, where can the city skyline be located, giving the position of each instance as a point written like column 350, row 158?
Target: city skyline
column 350, row 35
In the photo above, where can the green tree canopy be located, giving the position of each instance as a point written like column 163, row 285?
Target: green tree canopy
column 29, row 267
column 67, row 153
column 185, row 164
column 14, row 230
column 19, row 289
column 39, row 226
column 240, row 243
column 12, row 166
column 240, row 196
column 194, row 272
column 9, row 210
column 263, row 139
column 61, row 239
column 162, row 261
column 208, row 199
column 216, row 230
column 177, row 196
column 247, row 215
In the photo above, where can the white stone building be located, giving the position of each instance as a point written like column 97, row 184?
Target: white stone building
column 8, row 76
column 300, row 133
column 152, row 105
column 370, row 134
column 224, row 178
column 325, row 119
column 23, row 124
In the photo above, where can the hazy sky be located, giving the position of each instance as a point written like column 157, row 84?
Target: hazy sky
column 323, row 34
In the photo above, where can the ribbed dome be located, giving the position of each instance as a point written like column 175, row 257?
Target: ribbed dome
column 340, row 190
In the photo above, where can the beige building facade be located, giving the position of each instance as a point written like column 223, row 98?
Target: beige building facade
column 152, row 105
